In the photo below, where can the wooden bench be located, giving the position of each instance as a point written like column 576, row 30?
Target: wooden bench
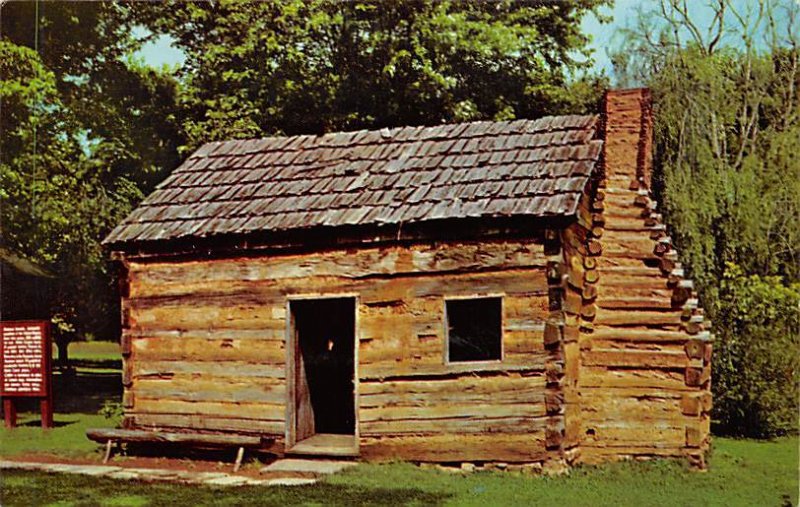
column 111, row 436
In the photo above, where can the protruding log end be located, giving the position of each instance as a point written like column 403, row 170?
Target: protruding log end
column 663, row 246
column 594, row 247
column 591, row 276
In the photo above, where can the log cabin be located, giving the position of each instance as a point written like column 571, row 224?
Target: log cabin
column 490, row 292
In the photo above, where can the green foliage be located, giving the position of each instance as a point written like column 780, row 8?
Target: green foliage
column 56, row 203
column 757, row 367
column 727, row 128
column 730, row 185
column 112, row 410
column 86, row 132
column 259, row 68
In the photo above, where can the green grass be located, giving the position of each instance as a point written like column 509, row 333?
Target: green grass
column 743, row 472
column 68, row 438
column 92, row 351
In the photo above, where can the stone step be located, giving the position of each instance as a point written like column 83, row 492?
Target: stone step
column 314, row 467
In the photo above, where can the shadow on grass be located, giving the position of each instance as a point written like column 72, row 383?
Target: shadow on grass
column 38, row 422
column 86, row 392
column 97, row 364
column 19, row 488
column 79, row 393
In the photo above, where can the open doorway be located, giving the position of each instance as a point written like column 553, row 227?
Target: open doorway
column 323, row 397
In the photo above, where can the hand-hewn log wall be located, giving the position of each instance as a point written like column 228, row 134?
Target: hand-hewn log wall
column 205, row 346
column 644, row 362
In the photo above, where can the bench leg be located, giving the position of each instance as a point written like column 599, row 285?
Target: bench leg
column 239, row 458
column 109, row 447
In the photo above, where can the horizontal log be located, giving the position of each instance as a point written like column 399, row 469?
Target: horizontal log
column 628, row 250
column 392, row 370
column 638, row 271
column 606, row 261
column 199, row 313
column 498, row 394
column 399, row 347
column 271, row 330
column 647, row 434
column 637, row 318
column 653, row 280
column 192, row 439
column 615, row 212
column 453, row 426
column 216, row 390
column 634, row 358
column 209, row 423
column 228, row 369
column 533, row 408
column 467, row 383
column 257, row 411
column 596, row 379
column 638, row 334
column 509, row 448
column 524, row 342
column 199, row 349
column 635, row 303
column 635, row 292
column 636, row 416
column 212, row 276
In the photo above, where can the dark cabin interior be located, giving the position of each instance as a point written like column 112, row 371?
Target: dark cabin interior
column 325, row 330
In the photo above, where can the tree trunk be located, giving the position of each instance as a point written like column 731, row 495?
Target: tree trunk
column 63, row 352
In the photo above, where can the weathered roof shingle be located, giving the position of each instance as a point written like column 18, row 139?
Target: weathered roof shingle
column 410, row 174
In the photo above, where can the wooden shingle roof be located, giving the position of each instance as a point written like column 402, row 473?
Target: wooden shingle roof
column 403, row 175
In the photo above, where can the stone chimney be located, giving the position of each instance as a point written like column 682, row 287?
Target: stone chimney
column 628, row 125
column 644, row 369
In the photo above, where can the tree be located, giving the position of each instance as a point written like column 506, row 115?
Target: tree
column 727, row 126
column 118, row 102
column 86, row 131
column 54, row 204
column 259, row 68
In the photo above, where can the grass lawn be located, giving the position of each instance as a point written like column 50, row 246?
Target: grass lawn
column 743, row 472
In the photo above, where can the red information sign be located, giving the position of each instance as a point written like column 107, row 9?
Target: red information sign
column 25, row 352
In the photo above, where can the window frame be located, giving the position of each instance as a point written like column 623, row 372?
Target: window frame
column 446, row 322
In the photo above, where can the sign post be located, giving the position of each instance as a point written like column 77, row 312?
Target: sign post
column 25, row 368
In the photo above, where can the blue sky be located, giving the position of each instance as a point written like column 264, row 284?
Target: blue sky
column 605, row 36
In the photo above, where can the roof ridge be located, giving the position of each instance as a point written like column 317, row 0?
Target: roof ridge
column 390, row 134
